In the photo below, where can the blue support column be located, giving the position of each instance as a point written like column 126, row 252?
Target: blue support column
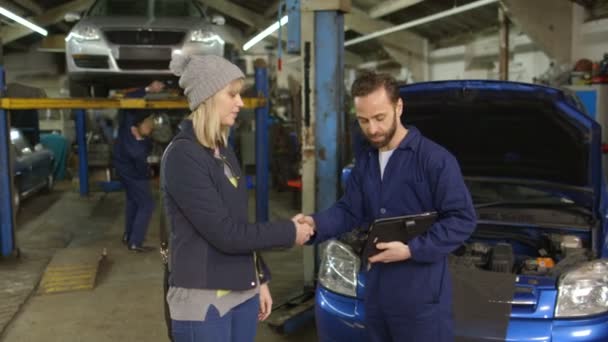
column 293, row 26
column 329, row 93
column 261, row 146
column 7, row 238
column 83, row 160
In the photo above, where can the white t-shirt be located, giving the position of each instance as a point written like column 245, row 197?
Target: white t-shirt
column 383, row 157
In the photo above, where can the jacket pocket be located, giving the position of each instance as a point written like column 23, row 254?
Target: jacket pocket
column 415, row 196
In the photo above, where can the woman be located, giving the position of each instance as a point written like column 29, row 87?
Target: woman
column 218, row 285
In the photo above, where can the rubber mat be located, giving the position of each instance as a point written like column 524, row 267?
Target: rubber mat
column 71, row 269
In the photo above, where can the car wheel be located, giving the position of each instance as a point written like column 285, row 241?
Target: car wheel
column 50, row 183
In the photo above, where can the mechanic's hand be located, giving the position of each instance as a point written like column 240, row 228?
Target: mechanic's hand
column 155, row 87
column 265, row 302
column 391, row 252
column 304, row 230
column 136, row 133
column 301, row 218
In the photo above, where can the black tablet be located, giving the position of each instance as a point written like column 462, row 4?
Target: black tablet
column 400, row 228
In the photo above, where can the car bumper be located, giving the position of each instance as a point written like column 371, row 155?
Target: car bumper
column 338, row 318
column 101, row 58
column 341, row 318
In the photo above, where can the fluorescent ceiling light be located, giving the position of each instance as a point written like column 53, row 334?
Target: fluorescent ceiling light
column 22, row 21
column 420, row 21
column 265, row 33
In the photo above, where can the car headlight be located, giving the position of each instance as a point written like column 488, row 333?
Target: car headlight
column 339, row 268
column 84, row 33
column 202, row 36
column 584, row 290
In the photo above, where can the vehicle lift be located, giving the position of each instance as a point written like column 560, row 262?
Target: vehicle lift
column 316, row 32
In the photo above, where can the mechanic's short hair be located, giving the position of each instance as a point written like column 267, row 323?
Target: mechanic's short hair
column 370, row 81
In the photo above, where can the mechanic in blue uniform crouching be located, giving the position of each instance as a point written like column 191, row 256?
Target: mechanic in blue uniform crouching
column 131, row 150
column 408, row 290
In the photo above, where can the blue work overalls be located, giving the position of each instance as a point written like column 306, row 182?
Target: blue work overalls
column 130, row 161
column 409, row 300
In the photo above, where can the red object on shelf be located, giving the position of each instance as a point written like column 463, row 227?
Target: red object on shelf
column 601, row 79
column 295, row 183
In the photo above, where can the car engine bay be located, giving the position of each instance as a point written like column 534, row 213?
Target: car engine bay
column 531, row 251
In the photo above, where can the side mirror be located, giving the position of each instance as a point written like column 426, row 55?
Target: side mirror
column 38, row 147
column 218, row 20
column 71, row 17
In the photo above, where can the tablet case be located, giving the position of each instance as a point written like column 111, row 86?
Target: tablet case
column 400, row 228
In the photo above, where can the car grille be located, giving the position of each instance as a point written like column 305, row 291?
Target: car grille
column 142, row 65
column 91, row 61
column 142, row 37
column 143, row 58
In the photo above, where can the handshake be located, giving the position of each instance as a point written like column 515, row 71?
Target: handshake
column 305, row 228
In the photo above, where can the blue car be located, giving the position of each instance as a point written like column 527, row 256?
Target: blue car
column 33, row 167
column 532, row 159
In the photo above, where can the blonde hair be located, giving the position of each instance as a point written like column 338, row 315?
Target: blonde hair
column 207, row 122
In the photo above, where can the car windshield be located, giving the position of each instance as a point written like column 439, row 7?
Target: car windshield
column 149, row 8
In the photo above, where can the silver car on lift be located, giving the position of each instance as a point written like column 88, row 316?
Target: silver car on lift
column 124, row 43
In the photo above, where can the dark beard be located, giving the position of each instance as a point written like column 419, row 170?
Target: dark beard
column 387, row 137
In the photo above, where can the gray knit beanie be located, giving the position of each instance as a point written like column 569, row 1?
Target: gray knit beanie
column 203, row 76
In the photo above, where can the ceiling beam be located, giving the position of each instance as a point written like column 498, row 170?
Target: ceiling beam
column 272, row 10
column 237, row 12
column 406, row 48
column 30, row 5
column 49, row 17
column 404, row 45
column 360, row 22
column 13, row 7
column 390, row 6
column 553, row 33
column 36, row 9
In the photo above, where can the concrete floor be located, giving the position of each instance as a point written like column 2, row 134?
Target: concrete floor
column 127, row 302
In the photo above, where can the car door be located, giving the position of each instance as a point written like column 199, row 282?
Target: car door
column 41, row 165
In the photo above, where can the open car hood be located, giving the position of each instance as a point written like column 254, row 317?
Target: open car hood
column 510, row 130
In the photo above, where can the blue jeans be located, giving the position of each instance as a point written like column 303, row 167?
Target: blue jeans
column 237, row 325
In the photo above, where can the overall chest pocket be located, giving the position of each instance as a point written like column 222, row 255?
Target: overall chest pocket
column 418, row 196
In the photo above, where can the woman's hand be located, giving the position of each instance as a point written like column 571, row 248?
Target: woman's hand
column 265, row 302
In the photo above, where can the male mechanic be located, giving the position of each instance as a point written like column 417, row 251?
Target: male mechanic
column 129, row 157
column 402, row 173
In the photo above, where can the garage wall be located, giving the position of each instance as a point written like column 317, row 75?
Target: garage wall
column 589, row 39
column 479, row 60
column 25, row 64
column 36, row 69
